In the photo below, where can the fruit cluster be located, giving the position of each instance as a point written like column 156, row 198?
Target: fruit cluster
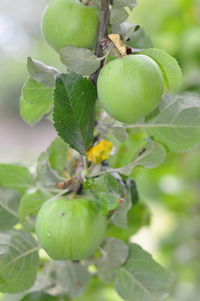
column 129, row 88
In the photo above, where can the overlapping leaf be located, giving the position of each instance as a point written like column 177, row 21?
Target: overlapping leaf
column 32, row 113
column 107, row 190
column 16, row 177
column 120, row 216
column 47, row 176
column 42, row 73
column 9, row 202
column 58, row 154
column 30, row 204
column 141, row 278
column 169, row 66
column 79, row 60
column 73, row 277
column 178, row 123
column 150, row 155
column 118, row 11
column 36, row 101
column 18, row 261
column 115, row 253
column 40, row 296
column 125, row 3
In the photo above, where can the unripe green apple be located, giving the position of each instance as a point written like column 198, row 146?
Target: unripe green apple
column 70, row 229
column 70, row 23
column 130, row 88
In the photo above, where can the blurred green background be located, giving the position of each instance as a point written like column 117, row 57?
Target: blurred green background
column 171, row 191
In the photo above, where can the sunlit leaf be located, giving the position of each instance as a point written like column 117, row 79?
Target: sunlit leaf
column 36, row 101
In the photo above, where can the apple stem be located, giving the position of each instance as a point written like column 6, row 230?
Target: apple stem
column 102, row 34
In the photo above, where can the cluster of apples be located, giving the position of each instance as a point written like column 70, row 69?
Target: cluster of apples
column 128, row 88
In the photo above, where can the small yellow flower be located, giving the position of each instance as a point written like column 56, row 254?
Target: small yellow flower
column 99, row 152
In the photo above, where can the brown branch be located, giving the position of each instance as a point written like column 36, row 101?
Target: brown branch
column 102, row 34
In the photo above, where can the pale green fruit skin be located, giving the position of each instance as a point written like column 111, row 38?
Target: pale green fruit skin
column 130, row 88
column 70, row 229
column 70, row 23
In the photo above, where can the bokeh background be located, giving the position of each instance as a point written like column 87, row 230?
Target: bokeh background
column 172, row 191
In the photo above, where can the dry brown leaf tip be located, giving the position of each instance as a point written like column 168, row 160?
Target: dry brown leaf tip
column 119, row 44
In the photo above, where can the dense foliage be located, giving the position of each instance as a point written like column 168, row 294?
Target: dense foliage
column 81, row 164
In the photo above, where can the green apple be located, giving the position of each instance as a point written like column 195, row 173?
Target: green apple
column 70, row 229
column 130, row 88
column 70, row 23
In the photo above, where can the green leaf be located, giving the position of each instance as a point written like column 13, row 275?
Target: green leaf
column 120, row 133
column 36, row 101
column 30, row 204
column 178, row 123
column 138, row 217
column 106, row 183
column 39, row 296
column 73, row 277
column 18, row 261
column 32, row 113
column 12, row 297
column 9, row 202
column 41, row 73
column 58, row 155
column 120, row 216
column 37, row 93
column 106, row 190
column 118, row 15
column 74, row 104
column 141, row 278
column 139, row 39
column 133, row 191
column 46, row 277
column 79, row 60
column 107, row 202
column 170, row 69
column 16, row 177
column 125, row 3
column 46, row 176
column 125, row 29
column 115, row 253
column 150, row 155
column 133, row 35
